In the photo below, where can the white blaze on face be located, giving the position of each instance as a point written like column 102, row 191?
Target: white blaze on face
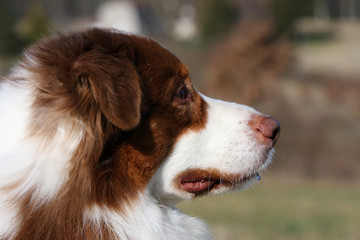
column 227, row 144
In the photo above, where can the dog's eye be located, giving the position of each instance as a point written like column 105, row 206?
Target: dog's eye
column 182, row 95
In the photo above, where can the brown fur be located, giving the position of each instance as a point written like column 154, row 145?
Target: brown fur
column 123, row 89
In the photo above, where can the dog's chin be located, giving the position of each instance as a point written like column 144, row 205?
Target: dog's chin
column 198, row 182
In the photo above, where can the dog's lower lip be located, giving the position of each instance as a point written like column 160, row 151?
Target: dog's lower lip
column 197, row 185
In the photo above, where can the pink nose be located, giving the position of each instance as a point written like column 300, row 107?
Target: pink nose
column 269, row 127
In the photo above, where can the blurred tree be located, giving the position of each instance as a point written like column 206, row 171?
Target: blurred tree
column 286, row 12
column 15, row 33
column 243, row 64
column 216, row 17
column 34, row 24
column 11, row 44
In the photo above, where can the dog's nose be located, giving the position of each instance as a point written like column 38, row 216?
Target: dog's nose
column 269, row 127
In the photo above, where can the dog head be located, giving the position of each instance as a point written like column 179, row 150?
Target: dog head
column 144, row 125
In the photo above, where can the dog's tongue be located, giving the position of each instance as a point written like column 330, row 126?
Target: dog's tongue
column 197, row 185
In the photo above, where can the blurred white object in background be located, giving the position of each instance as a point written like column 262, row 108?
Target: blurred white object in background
column 121, row 15
column 185, row 27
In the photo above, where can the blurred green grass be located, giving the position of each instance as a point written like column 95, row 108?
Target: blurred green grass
column 282, row 210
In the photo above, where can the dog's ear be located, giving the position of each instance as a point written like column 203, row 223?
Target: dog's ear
column 114, row 83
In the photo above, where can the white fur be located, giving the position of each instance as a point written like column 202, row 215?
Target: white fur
column 147, row 219
column 14, row 111
column 227, row 144
column 28, row 162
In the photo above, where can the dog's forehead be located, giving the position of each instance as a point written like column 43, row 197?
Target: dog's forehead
column 156, row 59
column 160, row 70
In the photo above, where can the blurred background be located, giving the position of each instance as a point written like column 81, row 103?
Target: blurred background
column 296, row 60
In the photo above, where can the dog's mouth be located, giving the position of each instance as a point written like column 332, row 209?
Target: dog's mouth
column 200, row 182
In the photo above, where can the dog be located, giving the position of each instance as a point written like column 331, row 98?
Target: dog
column 102, row 133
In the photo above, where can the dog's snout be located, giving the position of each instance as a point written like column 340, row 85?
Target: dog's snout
column 269, row 127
